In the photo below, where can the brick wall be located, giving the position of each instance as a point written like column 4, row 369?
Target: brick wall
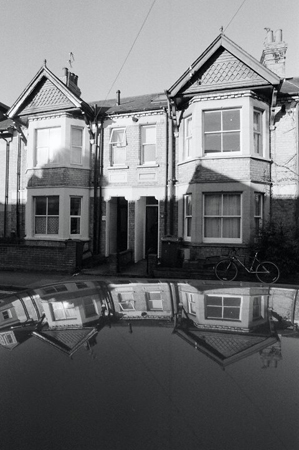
column 60, row 176
column 41, row 256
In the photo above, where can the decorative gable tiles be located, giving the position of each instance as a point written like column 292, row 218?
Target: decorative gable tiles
column 48, row 97
column 224, row 70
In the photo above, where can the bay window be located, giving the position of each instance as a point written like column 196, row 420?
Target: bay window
column 222, row 307
column 222, row 131
column 118, row 146
column 222, row 217
column 48, row 143
column 148, row 144
column 46, row 220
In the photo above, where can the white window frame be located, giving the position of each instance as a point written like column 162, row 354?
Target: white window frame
column 258, row 133
column 223, row 307
column 258, row 212
column 154, row 301
column 76, row 149
column 143, row 144
column 50, row 156
column 115, row 144
column 8, row 338
column 126, row 301
column 187, row 217
column 222, row 132
column 222, row 216
column 6, row 312
column 47, row 216
column 75, row 216
column 67, row 310
column 188, row 137
column 191, row 302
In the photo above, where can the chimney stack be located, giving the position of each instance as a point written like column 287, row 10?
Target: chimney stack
column 71, row 81
column 274, row 52
column 118, row 97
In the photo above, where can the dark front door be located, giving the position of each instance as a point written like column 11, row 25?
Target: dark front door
column 151, row 236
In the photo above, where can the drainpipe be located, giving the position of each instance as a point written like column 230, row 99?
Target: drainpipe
column 18, row 186
column 101, row 164
column 166, row 172
column 297, row 146
column 170, row 171
column 6, row 186
column 95, row 191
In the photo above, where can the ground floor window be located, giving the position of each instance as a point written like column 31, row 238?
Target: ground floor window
column 222, row 307
column 46, row 215
column 63, row 311
column 222, row 217
column 258, row 212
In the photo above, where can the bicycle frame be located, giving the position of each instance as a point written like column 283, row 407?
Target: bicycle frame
column 255, row 260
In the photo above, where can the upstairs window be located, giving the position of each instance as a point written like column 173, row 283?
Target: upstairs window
column 48, row 143
column 148, row 144
column 47, row 215
column 222, row 307
column 63, row 310
column 187, row 216
column 188, row 137
column 222, row 217
column 257, row 132
column 118, row 146
column 75, row 215
column 77, row 145
column 221, row 131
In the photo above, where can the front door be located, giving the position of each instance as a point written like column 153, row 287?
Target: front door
column 151, row 226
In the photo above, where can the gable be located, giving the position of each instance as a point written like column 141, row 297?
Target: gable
column 224, row 70
column 45, row 97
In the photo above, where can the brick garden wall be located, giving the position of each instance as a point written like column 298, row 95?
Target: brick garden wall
column 41, row 256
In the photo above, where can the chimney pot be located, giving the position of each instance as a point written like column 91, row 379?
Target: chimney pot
column 118, row 97
column 278, row 36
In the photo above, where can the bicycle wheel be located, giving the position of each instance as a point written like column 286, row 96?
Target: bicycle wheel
column 226, row 270
column 267, row 272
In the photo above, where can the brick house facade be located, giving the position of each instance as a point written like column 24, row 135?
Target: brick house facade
column 205, row 164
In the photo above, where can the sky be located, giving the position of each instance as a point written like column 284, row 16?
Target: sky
column 136, row 46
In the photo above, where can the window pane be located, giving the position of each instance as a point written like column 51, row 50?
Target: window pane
column 77, row 136
column 149, row 153
column 148, row 135
column 42, row 138
column 212, row 143
column 257, row 121
column 40, row 206
column 212, row 121
column 118, row 155
column 53, row 225
column 213, row 205
column 213, row 228
column 188, row 205
column 231, row 228
column 214, row 311
column 75, row 225
column 118, row 137
column 75, row 206
column 53, row 205
column 231, row 120
column 231, row 205
column 231, row 313
column 40, row 225
column 214, row 300
column 231, row 142
column 231, row 301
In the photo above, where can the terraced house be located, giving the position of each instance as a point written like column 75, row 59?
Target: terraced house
column 197, row 168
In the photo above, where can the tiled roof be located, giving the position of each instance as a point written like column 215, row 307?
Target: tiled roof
column 148, row 102
column 290, row 86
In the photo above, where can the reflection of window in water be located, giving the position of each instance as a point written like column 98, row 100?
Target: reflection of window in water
column 257, row 308
column 154, row 301
column 89, row 307
column 63, row 310
column 222, row 307
column 126, row 301
column 190, row 297
column 6, row 314
column 7, row 338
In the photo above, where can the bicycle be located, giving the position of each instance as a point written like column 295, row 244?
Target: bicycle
column 265, row 271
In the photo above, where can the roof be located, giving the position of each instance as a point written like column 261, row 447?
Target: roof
column 140, row 103
column 290, row 86
column 255, row 72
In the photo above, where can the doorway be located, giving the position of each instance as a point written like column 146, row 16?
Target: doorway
column 151, row 226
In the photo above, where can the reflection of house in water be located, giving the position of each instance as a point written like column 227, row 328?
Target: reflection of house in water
column 226, row 325
column 142, row 300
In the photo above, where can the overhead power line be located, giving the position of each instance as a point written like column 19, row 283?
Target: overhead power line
column 234, row 15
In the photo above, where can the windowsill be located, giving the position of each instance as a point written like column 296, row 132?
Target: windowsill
column 224, row 156
column 142, row 166
column 123, row 166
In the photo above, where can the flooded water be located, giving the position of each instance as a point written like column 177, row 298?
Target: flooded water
column 149, row 365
